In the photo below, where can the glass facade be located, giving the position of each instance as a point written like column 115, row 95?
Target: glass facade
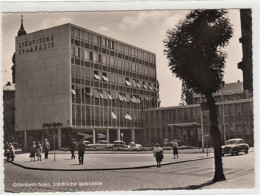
column 113, row 81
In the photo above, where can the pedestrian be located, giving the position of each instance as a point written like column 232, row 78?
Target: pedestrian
column 81, row 152
column 12, row 152
column 72, row 149
column 46, row 148
column 39, row 152
column 175, row 148
column 33, row 151
column 158, row 154
column 7, row 151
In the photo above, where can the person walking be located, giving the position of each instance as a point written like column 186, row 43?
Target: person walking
column 7, row 151
column 39, row 152
column 81, row 152
column 12, row 152
column 46, row 148
column 33, row 151
column 72, row 149
column 175, row 148
column 158, row 154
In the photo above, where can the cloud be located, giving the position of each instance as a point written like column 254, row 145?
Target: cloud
column 103, row 29
column 140, row 19
column 50, row 22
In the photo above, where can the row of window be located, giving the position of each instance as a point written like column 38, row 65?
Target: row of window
column 81, row 65
column 111, row 44
column 113, row 78
column 87, row 92
column 111, row 61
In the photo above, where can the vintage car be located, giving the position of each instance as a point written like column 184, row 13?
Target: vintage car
column 234, row 146
column 133, row 145
column 119, row 144
column 101, row 144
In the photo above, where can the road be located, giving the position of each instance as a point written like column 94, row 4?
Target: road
column 176, row 176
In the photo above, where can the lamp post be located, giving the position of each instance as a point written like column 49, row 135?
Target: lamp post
column 202, row 126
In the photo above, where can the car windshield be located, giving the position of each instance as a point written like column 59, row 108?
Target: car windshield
column 231, row 142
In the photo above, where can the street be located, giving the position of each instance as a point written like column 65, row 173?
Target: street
column 175, row 176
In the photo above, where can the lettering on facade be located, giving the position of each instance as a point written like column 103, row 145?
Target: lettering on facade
column 35, row 45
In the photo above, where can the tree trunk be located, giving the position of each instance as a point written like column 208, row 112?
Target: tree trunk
column 216, row 138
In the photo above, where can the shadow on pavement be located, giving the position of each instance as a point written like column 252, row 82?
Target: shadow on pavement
column 191, row 187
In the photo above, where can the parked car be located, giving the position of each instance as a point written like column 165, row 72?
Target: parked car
column 133, row 145
column 101, row 144
column 234, row 146
column 119, row 144
column 86, row 142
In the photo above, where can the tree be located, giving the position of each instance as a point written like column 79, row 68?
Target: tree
column 194, row 50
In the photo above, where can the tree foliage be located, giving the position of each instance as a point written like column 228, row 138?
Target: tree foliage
column 194, row 49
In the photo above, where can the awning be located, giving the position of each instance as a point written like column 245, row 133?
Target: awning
column 185, row 125
column 73, row 91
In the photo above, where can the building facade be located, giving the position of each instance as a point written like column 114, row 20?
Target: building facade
column 95, row 86
column 189, row 124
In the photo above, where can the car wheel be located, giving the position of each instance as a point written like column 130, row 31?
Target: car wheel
column 237, row 152
column 233, row 153
column 246, row 151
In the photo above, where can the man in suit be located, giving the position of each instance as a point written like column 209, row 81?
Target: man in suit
column 81, row 152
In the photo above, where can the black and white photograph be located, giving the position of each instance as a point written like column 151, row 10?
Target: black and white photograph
column 145, row 100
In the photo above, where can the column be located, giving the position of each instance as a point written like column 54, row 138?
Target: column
column 59, row 138
column 118, row 134
column 160, row 135
column 132, row 135
column 108, row 135
column 94, row 136
column 173, row 137
column 25, row 140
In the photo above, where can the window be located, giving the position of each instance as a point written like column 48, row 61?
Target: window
column 73, row 92
column 101, row 95
column 95, row 40
column 134, row 82
column 120, row 97
column 105, row 95
column 109, row 96
column 86, row 55
column 96, row 75
column 127, row 81
column 96, row 93
column 77, row 51
column 103, row 42
column 95, row 57
column 144, row 85
column 137, row 84
column 128, row 117
column 150, row 87
column 104, row 59
column 133, row 99
column 105, row 77
column 113, row 115
column 112, row 61
column 73, row 51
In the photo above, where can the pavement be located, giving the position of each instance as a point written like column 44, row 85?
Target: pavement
column 106, row 160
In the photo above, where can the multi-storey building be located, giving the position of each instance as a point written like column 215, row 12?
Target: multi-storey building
column 94, row 85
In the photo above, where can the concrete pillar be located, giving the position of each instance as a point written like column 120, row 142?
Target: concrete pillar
column 94, row 136
column 118, row 134
column 160, row 135
column 59, row 138
column 132, row 135
column 108, row 135
column 25, row 141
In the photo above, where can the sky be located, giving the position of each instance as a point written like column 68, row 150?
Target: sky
column 144, row 29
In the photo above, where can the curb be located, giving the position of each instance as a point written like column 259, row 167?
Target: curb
column 108, row 169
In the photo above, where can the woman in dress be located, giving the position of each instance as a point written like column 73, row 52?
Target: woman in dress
column 158, row 154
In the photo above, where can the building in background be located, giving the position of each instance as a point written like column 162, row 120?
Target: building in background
column 93, row 85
